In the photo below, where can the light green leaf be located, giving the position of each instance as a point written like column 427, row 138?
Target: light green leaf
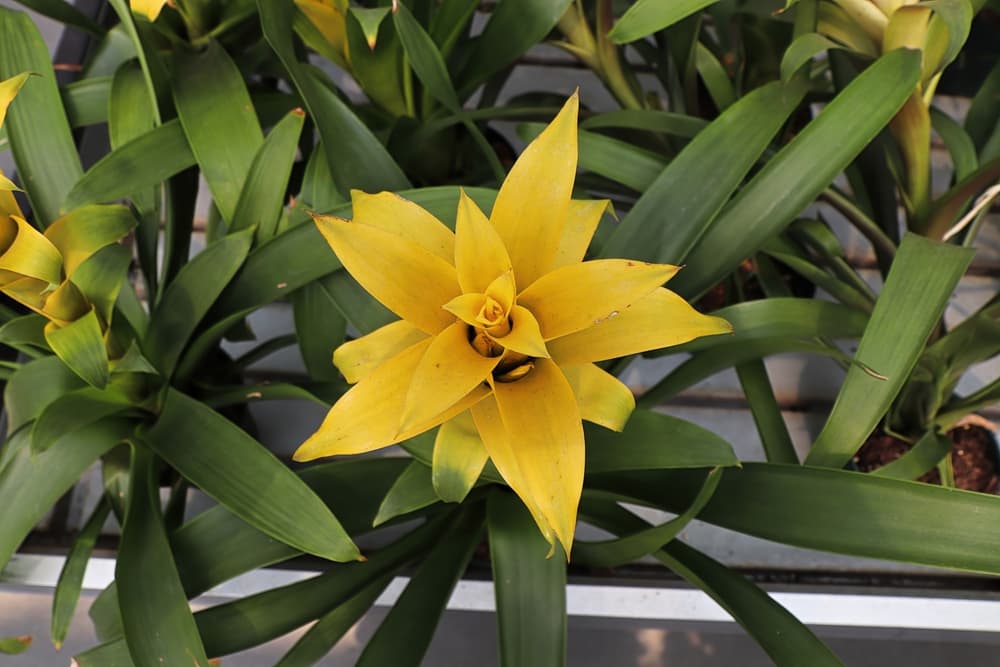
column 263, row 196
column 647, row 16
column 219, row 121
column 412, row 491
column 80, row 345
column 803, row 50
column 665, row 122
column 67, row 591
column 37, row 384
column 40, row 136
column 86, row 101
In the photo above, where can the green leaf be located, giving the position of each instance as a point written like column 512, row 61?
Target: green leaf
column 906, row 312
column 130, row 115
column 647, row 16
column 833, row 510
column 80, row 345
column 778, row 446
column 664, row 122
column 67, row 592
column 263, row 196
column 802, row 51
column 713, row 360
column 128, row 170
column 786, row 640
column 219, row 121
column 676, row 209
column 378, row 69
column 793, row 177
column 64, row 12
column 714, row 76
column 37, row 384
column 412, row 491
column 362, row 310
column 320, row 328
column 189, row 296
column 425, row 59
column 252, row 620
column 624, row 550
column 370, row 19
column 530, row 588
column 317, row 642
column 101, row 277
column 783, row 317
column 229, row 465
column 149, row 590
column 356, row 158
column 514, row 27
column 655, row 441
column 31, row 482
column 958, row 143
column 947, row 208
column 25, row 334
column 924, row 455
column 76, row 409
column 86, row 101
column 956, row 15
column 403, row 637
column 612, row 158
column 15, row 645
column 217, row 545
column 40, row 137
column 154, row 70
column 981, row 120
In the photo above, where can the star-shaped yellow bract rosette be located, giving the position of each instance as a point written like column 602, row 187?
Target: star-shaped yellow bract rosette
column 501, row 324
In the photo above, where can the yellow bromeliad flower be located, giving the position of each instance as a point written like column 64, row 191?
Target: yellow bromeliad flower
column 149, row 8
column 501, row 324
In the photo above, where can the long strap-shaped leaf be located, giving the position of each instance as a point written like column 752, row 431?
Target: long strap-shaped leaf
column 676, row 209
column 906, row 312
column 530, row 588
column 219, row 121
column 229, row 465
column 787, row 641
column 31, row 482
column 795, row 176
column 406, row 632
column 158, row 624
column 40, row 137
column 357, row 159
column 833, row 510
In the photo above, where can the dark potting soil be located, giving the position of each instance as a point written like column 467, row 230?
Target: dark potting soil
column 973, row 457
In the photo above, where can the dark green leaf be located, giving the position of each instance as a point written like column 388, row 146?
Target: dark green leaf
column 530, row 588
column 76, row 409
column 958, row 143
column 756, row 385
column 67, row 592
column 320, row 328
column 924, row 455
column 240, row 473
column 664, row 122
column 189, row 297
column 31, row 482
column 149, row 590
column 64, row 12
column 406, row 632
column 674, row 212
column 37, row 384
column 412, row 491
column 794, row 177
column 86, row 101
column 356, row 158
column 833, row 510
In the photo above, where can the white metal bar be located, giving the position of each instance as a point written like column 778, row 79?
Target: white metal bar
column 597, row 600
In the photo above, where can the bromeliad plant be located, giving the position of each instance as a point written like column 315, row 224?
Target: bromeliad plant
column 480, row 326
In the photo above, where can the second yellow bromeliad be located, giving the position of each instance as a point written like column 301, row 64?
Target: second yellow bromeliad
column 501, row 324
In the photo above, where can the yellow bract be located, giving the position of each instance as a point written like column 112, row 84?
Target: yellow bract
column 148, row 8
column 501, row 324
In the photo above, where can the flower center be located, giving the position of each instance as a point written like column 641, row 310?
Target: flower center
column 493, row 318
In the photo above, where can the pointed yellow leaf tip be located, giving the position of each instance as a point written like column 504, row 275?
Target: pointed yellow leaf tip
column 8, row 90
column 148, row 8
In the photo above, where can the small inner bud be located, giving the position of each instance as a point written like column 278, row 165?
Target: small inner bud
column 515, row 373
column 483, row 344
